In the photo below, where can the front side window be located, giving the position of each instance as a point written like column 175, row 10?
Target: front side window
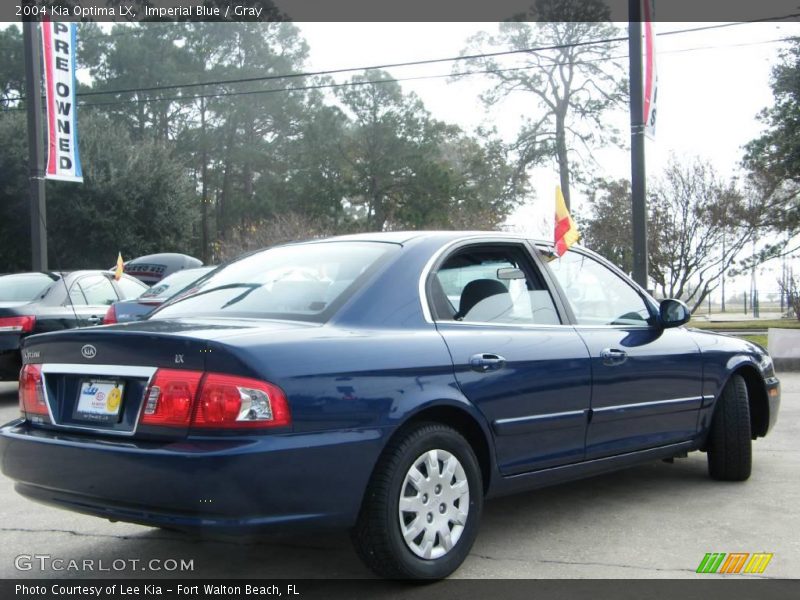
column 596, row 294
column 491, row 284
column 131, row 288
column 300, row 282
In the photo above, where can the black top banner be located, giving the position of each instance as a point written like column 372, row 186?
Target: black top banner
column 392, row 10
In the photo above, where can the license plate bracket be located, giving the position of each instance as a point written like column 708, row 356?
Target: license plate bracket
column 99, row 401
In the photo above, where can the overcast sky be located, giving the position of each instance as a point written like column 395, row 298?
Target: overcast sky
column 712, row 84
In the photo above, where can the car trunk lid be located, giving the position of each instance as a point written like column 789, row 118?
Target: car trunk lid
column 97, row 380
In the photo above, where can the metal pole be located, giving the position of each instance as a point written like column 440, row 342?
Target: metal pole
column 753, row 287
column 638, row 189
column 784, row 289
column 722, row 308
column 33, row 100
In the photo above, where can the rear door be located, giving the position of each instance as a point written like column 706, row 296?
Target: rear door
column 97, row 294
column 646, row 380
column 525, row 371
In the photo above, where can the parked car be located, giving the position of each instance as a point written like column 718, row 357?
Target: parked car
column 154, row 267
column 335, row 383
column 41, row 302
column 138, row 308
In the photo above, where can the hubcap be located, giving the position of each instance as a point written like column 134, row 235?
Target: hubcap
column 434, row 503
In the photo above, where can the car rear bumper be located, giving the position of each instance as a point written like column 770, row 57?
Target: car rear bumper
column 222, row 486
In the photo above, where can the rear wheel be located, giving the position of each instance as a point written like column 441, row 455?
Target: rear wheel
column 420, row 514
column 729, row 441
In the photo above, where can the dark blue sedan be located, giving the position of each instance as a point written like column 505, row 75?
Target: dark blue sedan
column 386, row 383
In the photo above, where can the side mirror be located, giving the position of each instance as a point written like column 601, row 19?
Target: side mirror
column 673, row 313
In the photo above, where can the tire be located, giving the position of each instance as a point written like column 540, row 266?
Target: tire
column 436, row 472
column 729, row 440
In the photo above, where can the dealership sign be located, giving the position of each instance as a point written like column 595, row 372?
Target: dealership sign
column 60, row 45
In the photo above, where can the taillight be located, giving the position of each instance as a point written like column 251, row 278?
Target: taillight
column 20, row 324
column 31, row 391
column 229, row 402
column 170, row 397
column 111, row 316
column 213, row 401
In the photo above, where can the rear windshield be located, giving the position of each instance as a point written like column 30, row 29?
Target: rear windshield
column 306, row 282
column 24, row 287
column 172, row 284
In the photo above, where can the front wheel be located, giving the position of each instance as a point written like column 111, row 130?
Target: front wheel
column 729, row 441
column 421, row 511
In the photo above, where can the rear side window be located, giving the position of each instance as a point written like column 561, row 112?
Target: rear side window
column 98, row 290
column 304, row 282
column 76, row 297
column 491, row 284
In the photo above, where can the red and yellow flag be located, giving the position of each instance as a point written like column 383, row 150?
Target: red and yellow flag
column 118, row 270
column 566, row 232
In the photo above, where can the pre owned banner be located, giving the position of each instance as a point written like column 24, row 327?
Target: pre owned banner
column 59, row 42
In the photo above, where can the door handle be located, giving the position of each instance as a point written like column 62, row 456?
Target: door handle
column 94, row 320
column 613, row 357
column 484, row 362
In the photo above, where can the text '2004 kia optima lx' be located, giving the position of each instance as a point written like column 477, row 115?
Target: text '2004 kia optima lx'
column 386, row 383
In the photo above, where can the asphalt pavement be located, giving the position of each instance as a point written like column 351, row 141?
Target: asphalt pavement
column 653, row 521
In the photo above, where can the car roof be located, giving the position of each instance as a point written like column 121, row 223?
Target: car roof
column 403, row 237
column 50, row 274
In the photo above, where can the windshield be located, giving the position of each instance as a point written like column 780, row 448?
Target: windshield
column 304, row 282
column 171, row 285
column 24, row 287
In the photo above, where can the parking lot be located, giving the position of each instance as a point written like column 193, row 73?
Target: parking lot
column 652, row 521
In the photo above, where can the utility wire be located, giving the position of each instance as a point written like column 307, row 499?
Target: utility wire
column 133, row 30
column 413, row 63
column 392, row 80
column 185, row 98
column 421, row 62
column 429, row 61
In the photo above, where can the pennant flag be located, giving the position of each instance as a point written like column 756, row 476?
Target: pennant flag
column 566, row 233
column 60, row 43
column 118, row 270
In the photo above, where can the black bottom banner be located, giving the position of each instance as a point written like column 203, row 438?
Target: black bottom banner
column 307, row 589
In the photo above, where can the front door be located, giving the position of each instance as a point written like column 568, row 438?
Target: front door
column 646, row 380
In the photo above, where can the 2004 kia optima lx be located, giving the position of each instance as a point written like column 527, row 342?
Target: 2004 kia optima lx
column 387, row 383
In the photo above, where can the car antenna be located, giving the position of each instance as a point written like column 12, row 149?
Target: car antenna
column 63, row 278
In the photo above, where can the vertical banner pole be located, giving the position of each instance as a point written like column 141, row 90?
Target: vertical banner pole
column 638, row 190
column 33, row 100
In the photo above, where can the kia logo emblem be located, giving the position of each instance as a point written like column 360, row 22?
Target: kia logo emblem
column 89, row 351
